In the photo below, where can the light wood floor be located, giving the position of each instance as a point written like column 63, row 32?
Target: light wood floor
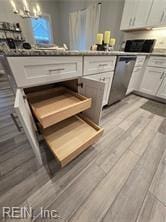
column 120, row 179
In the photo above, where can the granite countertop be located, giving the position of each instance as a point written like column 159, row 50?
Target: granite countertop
column 73, row 53
column 66, row 53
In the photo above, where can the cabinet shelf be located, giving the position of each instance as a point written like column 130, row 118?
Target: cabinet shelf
column 10, row 30
column 70, row 137
column 56, row 104
column 16, row 40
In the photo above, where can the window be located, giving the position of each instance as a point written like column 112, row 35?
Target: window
column 41, row 29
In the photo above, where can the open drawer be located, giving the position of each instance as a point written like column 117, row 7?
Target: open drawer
column 53, row 105
column 70, row 137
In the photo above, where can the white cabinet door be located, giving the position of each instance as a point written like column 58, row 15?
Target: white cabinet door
column 107, row 79
column 94, row 89
column 135, row 14
column 141, row 13
column 23, row 111
column 157, row 15
column 134, row 81
column 152, row 80
column 128, row 14
column 162, row 90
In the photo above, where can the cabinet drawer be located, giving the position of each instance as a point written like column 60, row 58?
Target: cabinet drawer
column 70, row 137
column 32, row 71
column 97, row 64
column 140, row 61
column 56, row 104
column 157, row 61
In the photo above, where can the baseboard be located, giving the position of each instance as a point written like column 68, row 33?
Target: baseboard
column 155, row 98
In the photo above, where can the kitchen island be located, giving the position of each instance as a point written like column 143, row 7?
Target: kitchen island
column 41, row 77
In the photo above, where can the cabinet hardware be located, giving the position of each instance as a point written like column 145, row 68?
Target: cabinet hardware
column 55, row 70
column 162, row 75
column 14, row 118
column 133, row 23
column 103, row 65
column 102, row 79
column 80, row 85
column 24, row 97
column 162, row 16
column 130, row 22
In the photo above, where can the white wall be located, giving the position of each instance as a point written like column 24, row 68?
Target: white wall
column 111, row 12
column 47, row 6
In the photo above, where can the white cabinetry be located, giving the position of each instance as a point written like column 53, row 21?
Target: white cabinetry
column 56, row 108
column 157, row 15
column 128, row 14
column 98, row 64
column 141, row 13
column 152, row 80
column 135, row 14
column 133, row 84
column 101, row 68
column 135, row 78
column 162, row 90
column 48, row 101
column 106, row 78
column 23, row 112
column 32, row 71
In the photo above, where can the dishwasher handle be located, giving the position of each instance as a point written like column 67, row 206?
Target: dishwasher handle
column 127, row 59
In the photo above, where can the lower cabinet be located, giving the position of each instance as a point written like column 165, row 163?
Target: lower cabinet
column 133, row 84
column 106, row 78
column 67, row 120
column 152, row 80
column 162, row 90
column 136, row 75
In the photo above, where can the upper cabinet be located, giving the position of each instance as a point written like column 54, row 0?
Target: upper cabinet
column 157, row 15
column 135, row 14
column 139, row 14
column 128, row 14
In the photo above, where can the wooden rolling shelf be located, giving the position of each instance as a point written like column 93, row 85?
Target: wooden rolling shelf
column 70, row 137
column 66, row 133
column 56, row 104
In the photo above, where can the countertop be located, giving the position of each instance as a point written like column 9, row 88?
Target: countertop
column 73, row 53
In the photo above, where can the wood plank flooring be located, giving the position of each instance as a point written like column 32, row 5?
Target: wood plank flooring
column 122, row 178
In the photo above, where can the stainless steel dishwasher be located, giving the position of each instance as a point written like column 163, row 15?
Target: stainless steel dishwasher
column 123, row 71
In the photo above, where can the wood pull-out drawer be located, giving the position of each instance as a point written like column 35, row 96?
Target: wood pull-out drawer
column 56, row 104
column 70, row 137
column 98, row 64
